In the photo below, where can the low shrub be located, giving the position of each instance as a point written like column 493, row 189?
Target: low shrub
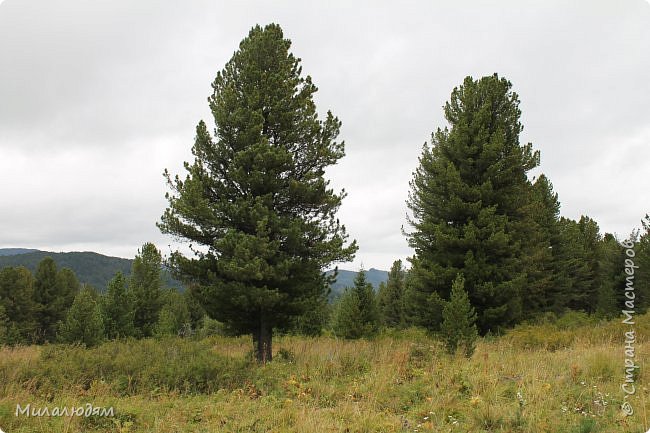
column 130, row 367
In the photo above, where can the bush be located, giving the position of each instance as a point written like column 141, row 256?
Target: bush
column 209, row 328
column 546, row 337
column 575, row 319
column 136, row 366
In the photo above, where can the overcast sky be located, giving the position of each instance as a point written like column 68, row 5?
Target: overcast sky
column 98, row 97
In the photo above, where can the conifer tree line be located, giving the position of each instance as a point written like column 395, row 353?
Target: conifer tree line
column 490, row 246
column 51, row 306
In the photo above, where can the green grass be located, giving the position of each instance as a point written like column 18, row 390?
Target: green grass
column 536, row 379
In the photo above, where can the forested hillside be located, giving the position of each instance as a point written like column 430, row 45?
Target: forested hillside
column 97, row 269
column 89, row 267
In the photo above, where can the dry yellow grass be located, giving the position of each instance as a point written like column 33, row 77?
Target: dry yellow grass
column 396, row 383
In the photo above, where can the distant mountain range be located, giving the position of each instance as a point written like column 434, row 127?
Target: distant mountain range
column 97, row 269
column 15, row 251
column 346, row 279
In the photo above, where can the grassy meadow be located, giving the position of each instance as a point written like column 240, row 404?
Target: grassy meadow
column 543, row 378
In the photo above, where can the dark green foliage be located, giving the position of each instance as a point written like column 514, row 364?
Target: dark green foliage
column 459, row 320
column 468, row 200
column 421, row 308
column 194, row 308
column 255, row 197
column 346, row 315
column 369, row 313
column 317, row 314
column 47, row 313
column 569, row 267
column 539, row 230
column 585, row 298
column 117, row 309
column 391, row 297
column 611, row 277
column 68, row 285
column 53, row 295
column 356, row 313
column 17, row 300
column 145, row 287
column 577, row 257
column 4, row 325
column 642, row 273
column 83, row 323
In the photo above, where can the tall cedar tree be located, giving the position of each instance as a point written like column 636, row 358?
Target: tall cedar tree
column 145, row 286
column 255, row 198
column 468, row 198
column 391, row 297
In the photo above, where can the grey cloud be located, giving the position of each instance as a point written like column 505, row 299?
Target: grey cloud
column 96, row 98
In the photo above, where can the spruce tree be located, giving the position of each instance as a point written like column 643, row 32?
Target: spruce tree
column 356, row 313
column 459, row 320
column 570, row 268
column 539, row 235
column 586, row 297
column 611, row 277
column 255, row 201
column 346, row 316
column 391, row 297
column 587, row 268
column 117, row 309
column 145, row 287
column 468, row 198
column 52, row 295
column 83, row 323
column 368, row 311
